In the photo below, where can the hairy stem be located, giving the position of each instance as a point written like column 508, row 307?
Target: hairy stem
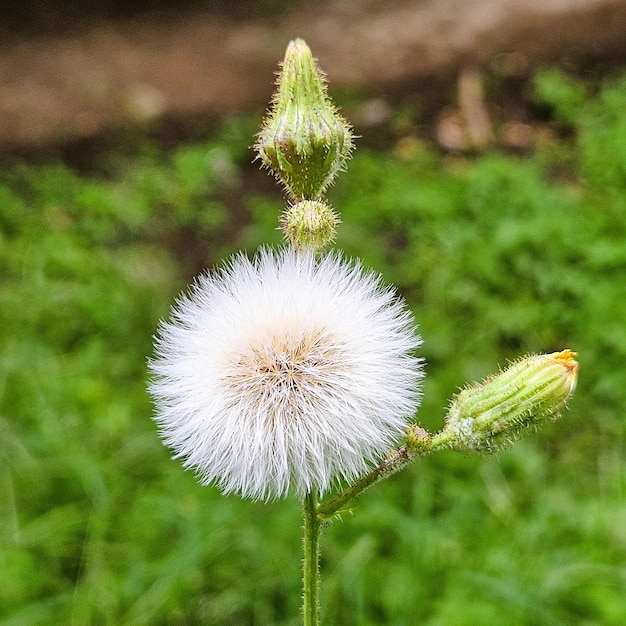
column 395, row 461
column 310, row 561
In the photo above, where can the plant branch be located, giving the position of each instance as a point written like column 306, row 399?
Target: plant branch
column 418, row 443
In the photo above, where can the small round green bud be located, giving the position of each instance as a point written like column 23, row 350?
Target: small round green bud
column 417, row 440
column 488, row 416
column 303, row 140
column 309, row 224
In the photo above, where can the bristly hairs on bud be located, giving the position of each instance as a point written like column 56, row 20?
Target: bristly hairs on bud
column 303, row 141
column 488, row 416
column 310, row 224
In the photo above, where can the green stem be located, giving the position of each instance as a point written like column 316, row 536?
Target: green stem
column 310, row 562
column 418, row 443
column 395, row 461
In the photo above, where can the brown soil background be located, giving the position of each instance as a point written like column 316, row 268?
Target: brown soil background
column 67, row 73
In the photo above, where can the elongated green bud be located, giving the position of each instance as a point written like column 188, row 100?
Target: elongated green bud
column 303, row 141
column 309, row 224
column 488, row 416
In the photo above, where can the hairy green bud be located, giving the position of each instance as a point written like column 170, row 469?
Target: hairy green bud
column 488, row 416
column 303, row 140
column 309, row 224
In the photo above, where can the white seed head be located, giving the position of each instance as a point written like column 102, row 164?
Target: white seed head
column 285, row 373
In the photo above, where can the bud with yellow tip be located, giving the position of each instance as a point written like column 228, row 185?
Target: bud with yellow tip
column 487, row 416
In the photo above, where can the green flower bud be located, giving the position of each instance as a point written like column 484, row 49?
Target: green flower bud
column 310, row 224
column 303, row 141
column 488, row 416
column 417, row 440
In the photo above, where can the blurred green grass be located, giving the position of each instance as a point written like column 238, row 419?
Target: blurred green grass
column 498, row 255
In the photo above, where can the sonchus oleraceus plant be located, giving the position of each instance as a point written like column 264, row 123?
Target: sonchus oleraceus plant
column 297, row 372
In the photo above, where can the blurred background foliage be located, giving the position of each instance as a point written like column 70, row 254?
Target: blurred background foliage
column 498, row 254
